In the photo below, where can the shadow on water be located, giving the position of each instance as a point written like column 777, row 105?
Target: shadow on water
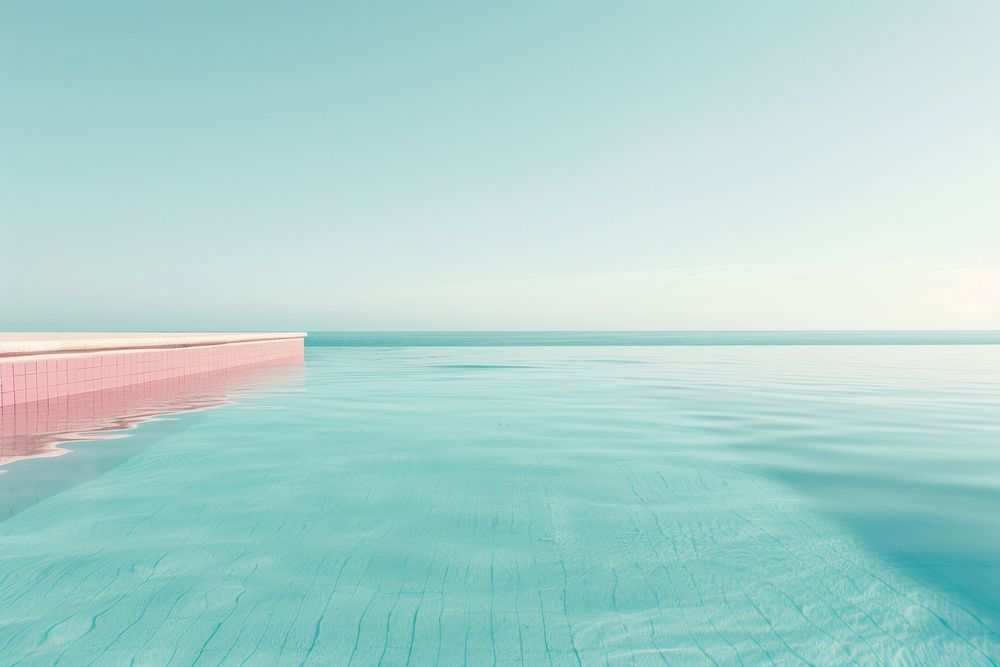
column 49, row 446
column 907, row 460
column 946, row 536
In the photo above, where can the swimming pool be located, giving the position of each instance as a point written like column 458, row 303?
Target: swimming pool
column 530, row 505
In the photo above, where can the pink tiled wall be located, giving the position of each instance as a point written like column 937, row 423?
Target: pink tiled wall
column 42, row 428
column 45, row 377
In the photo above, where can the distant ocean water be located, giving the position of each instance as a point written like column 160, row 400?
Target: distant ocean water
column 644, row 338
column 413, row 500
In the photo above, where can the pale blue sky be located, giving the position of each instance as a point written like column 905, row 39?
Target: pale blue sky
column 527, row 165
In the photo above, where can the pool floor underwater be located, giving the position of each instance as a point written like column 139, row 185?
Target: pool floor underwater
column 533, row 506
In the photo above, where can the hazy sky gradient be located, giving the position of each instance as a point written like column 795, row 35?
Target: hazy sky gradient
column 538, row 165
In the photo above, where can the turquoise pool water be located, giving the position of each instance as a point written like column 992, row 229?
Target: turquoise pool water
column 542, row 505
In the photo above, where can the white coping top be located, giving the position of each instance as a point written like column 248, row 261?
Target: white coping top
column 16, row 344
